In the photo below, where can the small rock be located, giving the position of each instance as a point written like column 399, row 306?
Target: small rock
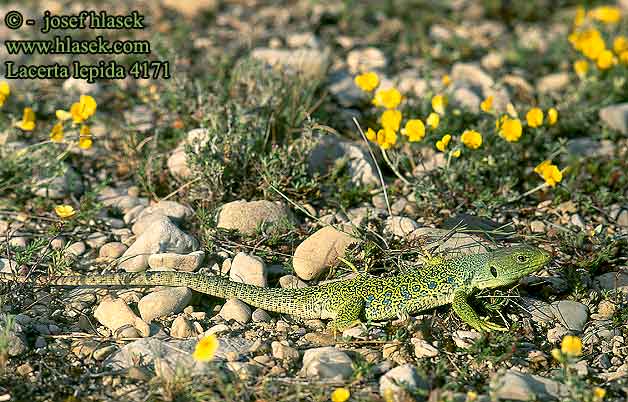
column 606, row 309
column 366, row 59
column 283, row 351
column 465, row 339
column 120, row 319
column 7, row 266
column 577, row 220
column 320, row 251
column 525, row 387
column 249, row 269
column 472, row 74
column 327, row 363
column 192, row 9
column 103, row 353
column 537, row 227
column 24, row 369
column 58, row 243
column 161, row 236
column 556, row 334
column 260, row 315
column 616, row 117
column 423, row 348
column 182, row 328
column 613, row 281
column 538, row 309
column 397, row 384
column 247, row 217
column 236, row 310
column 75, row 86
column 305, row 62
column 553, row 82
column 571, row 314
column 400, row 226
column 466, row 98
column 77, row 249
column 18, row 242
column 96, row 240
column 181, row 262
column 332, row 150
column 291, row 282
column 132, row 214
column 173, row 210
column 461, row 243
column 164, row 302
column 112, row 250
column 58, row 187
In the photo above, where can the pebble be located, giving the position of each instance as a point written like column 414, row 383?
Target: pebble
column 103, row 353
column 248, row 216
column 423, row 348
column 465, row 339
column 517, row 386
column 556, row 334
column 182, row 328
column 181, row 262
column 58, row 187
column 537, row 227
column 164, row 302
column 327, row 363
column 248, row 269
column 283, row 351
column 366, row 59
column 399, row 383
column 7, row 266
column 112, row 250
column 77, row 249
column 615, row 117
column 58, row 243
column 162, row 236
column 96, row 240
column 18, row 242
column 236, row 310
column 461, row 243
column 571, row 314
column 553, row 82
column 132, row 214
column 260, row 315
column 331, row 150
column 291, row 282
column 613, row 281
column 471, row 73
column 400, row 226
column 466, row 98
column 320, row 251
column 173, row 210
column 577, row 221
column 305, row 62
column 116, row 315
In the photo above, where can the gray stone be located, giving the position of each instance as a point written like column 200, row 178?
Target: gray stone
column 182, row 328
column 116, row 315
column 164, row 302
column 14, row 337
column 400, row 226
column 249, row 269
column 461, row 243
column 613, row 281
column 308, row 63
column 236, row 310
column 260, row 315
column 7, row 266
column 291, row 282
column 466, row 98
column 283, row 351
column 518, row 386
column 343, row 88
column 178, row 164
column 423, row 348
column 537, row 227
column 248, row 216
column 173, row 210
column 331, row 150
column 327, row 363
column 396, row 384
column 96, row 240
column 590, row 147
column 616, row 117
column 571, row 314
column 112, row 250
column 538, row 309
column 320, row 251
column 181, row 262
column 162, row 236
column 77, row 249
column 58, row 187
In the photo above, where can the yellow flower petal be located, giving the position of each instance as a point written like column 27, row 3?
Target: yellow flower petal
column 606, row 14
column 487, row 104
column 340, row 395
column 415, row 130
column 456, row 153
column 63, row 115
column 56, row 134
column 391, row 119
column 441, row 144
column 28, row 120
column 5, row 89
column 65, row 211
column 367, row 81
column 599, row 393
column 433, row 120
column 388, row 98
column 206, row 348
column 510, row 129
column 85, row 142
column 571, row 346
column 620, row 43
column 605, row 60
column 471, row 139
column 581, row 67
column 371, row 135
column 534, row 117
column 552, row 116
column 439, row 102
column 446, row 80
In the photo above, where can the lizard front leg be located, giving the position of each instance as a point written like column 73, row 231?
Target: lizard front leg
column 468, row 315
column 348, row 313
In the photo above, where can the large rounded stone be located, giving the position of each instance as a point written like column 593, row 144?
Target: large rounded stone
column 397, row 383
column 164, row 302
column 236, row 310
column 120, row 319
column 248, row 269
column 247, row 216
column 181, row 262
column 327, row 363
column 320, row 251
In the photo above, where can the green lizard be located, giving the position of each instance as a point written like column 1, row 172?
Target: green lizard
column 440, row 282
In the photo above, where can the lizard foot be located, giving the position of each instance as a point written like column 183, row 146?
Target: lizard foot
column 488, row 326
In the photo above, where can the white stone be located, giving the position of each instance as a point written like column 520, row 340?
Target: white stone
column 164, row 302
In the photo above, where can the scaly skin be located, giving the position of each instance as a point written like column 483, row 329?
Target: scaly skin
column 347, row 301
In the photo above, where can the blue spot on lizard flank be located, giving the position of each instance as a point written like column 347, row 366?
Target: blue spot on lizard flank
column 450, row 279
column 431, row 284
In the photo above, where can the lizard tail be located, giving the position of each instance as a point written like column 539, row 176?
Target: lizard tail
column 291, row 301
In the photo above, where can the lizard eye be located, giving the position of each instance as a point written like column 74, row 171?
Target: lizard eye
column 522, row 258
column 494, row 271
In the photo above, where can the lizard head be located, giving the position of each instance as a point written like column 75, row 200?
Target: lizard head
column 508, row 265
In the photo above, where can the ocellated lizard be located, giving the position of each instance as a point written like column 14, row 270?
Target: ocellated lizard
column 347, row 301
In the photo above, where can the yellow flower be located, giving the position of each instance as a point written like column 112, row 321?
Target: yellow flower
column 5, row 91
column 590, row 43
column 415, row 130
column 386, row 138
column 56, row 134
column 388, row 98
column 471, row 396
column 579, row 17
column 65, row 211
column 599, row 393
column 456, row 153
column 85, row 137
column 63, row 115
column 557, row 355
column 340, row 395
column 446, row 80
column 552, row 116
column 371, row 135
column 439, row 102
column 550, row 173
column 623, row 57
column 441, row 144
column 487, row 104
column 471, row 138
column 581, row 67
column 534, row 117
column 571, row 346
column 28, row 120
column 620, row 43
column 83, row 109
column 605, row 60
column 367, row 81
column 510, row 129
column 391, row 119
column 433, row 120
column 206, row 348
column 606, row 14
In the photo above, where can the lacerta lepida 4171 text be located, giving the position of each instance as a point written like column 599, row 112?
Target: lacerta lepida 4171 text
column 346, row 302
